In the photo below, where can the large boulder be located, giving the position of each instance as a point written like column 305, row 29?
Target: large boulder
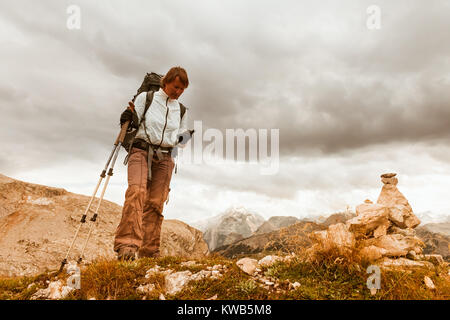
column 180, row 239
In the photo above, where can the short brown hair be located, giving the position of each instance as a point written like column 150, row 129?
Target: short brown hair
column 172, row 74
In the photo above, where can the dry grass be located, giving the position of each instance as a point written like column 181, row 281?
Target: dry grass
column 324, row 272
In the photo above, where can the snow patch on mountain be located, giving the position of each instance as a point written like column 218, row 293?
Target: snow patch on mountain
column 234, row 224
column 432, row 217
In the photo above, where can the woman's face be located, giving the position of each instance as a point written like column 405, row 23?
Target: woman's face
column 174, row 89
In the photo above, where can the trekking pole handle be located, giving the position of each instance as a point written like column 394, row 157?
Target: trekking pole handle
column 124, row 128
column 122, row 133
column 131, row 106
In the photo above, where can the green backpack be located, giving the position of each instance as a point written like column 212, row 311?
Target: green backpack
column 151, row 84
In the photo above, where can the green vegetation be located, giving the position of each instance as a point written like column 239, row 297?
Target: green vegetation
column 328, row 276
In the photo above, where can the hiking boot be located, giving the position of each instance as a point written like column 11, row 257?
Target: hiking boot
column 126, row 254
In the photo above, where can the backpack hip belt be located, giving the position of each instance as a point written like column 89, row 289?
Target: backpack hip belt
column 152, row 150
column 159, row 153
column 144, row 145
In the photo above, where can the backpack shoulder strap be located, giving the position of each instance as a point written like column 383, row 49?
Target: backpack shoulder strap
column 182, row 111
column 148, row 101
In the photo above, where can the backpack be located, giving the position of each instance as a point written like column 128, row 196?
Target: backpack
column 151, row 84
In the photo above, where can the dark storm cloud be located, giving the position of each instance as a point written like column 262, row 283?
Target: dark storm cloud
column 352, row 94
column 343, row 119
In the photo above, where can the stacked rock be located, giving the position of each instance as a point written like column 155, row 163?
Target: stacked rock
column 383, row 230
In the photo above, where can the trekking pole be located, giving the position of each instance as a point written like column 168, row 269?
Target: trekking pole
column 114, row 154
column 110, row 173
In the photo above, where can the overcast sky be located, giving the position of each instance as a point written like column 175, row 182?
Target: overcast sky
column 350, row 102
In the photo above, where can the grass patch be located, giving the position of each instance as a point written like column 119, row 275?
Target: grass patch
column 327, row 275
column 233, row 285
column 22, row 288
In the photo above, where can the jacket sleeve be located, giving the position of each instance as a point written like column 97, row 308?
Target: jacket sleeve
column 184, row 122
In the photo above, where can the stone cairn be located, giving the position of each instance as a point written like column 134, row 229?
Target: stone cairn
column 384, row 231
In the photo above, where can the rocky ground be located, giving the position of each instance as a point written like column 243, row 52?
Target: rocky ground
column 215, row 278
column 37, row 224
column 307, row 261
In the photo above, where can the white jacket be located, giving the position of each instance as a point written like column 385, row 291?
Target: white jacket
column 162, row 119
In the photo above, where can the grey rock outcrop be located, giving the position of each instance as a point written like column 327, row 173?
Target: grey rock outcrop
column 180, row 239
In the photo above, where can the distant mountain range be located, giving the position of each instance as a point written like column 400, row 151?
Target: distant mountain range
column 433, row 222
column 238, row 223
column 275, row 223
column 435, row 243
column 238, row 232
column 285, row 239
column 442, row 228
column 280, row 233
column 427, row 217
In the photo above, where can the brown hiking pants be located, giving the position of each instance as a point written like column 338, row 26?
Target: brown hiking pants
column 140, row 227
